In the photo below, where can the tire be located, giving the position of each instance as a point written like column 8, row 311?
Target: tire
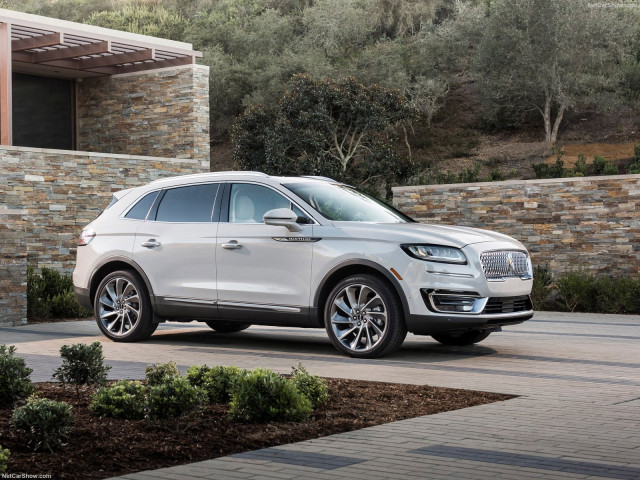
column 461, row 339
column 123, row 308
column 223, row 326
column 363, row 317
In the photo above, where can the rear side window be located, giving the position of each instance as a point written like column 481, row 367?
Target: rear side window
column 141, row 209
column 188, row 204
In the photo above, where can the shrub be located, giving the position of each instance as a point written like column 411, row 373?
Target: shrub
column 495, row 175
column 580, row 168
column 45, row 423
column 542, row 282
column 158, row 373
column 4, row 459
column 578, row 291
column 14, row 376
column 617, row 295
column 265, row 396
column 216, row 381
column 82, row 364
column 174, row 397
column 599, row 165
column 50, row 295
column 610, row 169
column 311, row 386
column 544, row 170
column 124, row 399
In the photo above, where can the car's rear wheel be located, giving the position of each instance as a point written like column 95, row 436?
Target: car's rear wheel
column 223, row 326
column 463, row 338
column 122, row 307
column 363, row 317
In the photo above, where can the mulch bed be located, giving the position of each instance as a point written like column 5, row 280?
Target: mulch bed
column 100, row 448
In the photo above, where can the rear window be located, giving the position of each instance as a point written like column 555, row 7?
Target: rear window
column 114, row 200
column 141, row 209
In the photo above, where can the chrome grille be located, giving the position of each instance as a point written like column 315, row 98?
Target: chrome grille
column 504, row 264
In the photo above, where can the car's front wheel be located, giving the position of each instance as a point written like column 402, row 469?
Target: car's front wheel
column 363, row 317
column 122, row 307
column 463, row 338
column 223, row 326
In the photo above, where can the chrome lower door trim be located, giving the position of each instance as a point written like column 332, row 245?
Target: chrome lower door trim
column 276, row 308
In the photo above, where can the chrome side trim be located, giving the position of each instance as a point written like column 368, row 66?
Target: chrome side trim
column 191, row 300
column 276, row 308
column 445, row 274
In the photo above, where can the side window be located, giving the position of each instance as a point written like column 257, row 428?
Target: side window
column 248, row 203
column 188, row 204
column 141, row 209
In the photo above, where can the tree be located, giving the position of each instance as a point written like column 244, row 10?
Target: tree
column 550, row 56
column 339, row 129
column 154, row 20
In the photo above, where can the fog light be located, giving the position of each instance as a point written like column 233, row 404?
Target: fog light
column 454, row 302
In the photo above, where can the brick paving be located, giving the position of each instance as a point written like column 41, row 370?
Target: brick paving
column 577, row 415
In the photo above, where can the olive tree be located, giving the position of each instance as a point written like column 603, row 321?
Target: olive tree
column 549, row 56
column 341, row 129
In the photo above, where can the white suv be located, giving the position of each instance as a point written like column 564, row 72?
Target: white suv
column 240, row 248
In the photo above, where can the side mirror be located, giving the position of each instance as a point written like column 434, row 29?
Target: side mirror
column 283, row 217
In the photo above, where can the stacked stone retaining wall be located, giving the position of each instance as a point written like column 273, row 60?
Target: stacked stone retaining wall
column 162, row 113
column 591, row 222
column 47, row 196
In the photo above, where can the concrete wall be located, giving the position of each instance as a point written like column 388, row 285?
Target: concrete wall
column 590, row 222
column 47, row 196
column 162, row 113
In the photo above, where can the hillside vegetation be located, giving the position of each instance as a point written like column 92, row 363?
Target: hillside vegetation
column 486, row 86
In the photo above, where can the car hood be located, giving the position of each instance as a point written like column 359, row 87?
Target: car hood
column 448, row 235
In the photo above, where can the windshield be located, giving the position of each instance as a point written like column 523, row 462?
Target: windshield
column 346, row 204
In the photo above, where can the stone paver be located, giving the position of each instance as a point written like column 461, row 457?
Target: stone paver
column 577, row 415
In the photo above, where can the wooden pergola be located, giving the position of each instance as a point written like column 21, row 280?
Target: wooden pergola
column 51, row 47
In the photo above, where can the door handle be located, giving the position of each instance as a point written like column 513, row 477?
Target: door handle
column 151, row 243
column 232, row 245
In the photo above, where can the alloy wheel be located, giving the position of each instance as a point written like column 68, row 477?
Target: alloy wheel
column 119, row 309
column 359, row 318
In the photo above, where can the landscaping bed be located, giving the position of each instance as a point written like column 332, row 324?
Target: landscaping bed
column 105, row 447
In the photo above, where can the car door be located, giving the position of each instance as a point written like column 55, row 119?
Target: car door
column 263, row 271
column 176, row 249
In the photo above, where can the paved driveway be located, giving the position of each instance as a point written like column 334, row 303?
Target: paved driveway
column 577, row 414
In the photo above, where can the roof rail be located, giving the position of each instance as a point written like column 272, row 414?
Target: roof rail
column 214, row 174
column 318, row 177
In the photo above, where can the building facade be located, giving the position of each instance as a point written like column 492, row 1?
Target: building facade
column 85, row 111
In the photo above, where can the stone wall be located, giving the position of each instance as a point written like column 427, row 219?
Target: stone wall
column 47, row 196
column 162, row 113
column 590, row 222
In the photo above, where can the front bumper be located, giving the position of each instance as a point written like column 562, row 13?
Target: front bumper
column 439, row 323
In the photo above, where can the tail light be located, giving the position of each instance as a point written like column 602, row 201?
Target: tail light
column 85, row 237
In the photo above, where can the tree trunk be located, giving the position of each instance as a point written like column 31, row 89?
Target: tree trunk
column 556, row 124
column 406, row 142
column 547, row 116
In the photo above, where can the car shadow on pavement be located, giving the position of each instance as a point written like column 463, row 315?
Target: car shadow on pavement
column 305, row 343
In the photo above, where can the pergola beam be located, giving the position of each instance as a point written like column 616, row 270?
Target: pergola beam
column 139, row 67
column 117, row 59
column 6, row 104
column 72, row 52
column 41, row 41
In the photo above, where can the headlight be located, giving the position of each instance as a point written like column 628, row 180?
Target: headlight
column 436, row 253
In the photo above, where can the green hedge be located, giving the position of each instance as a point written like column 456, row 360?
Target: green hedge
column 50, row 295
column 580, row 291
